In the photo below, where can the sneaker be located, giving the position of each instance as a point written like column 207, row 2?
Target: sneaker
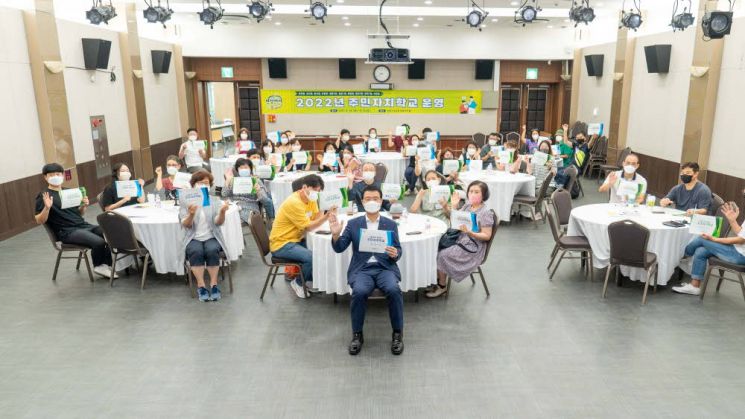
column 203, row 294
column 687, row 289
column 215, row 293
column 408, row 192
column 104, row 271
column 311, row 288
column 298, row 289
column 438, row 292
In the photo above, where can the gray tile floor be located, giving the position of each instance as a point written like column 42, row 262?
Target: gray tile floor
column 534, row 349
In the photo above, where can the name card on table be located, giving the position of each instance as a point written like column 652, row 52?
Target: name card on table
column 244, row 185
column 330, row 159
column 373, row 144
column 425, row 153
column 440, row 192
column 182, row 180
column 475, row 165
column 706, row 224
column 328, row 199
column 194, row 196
column 540, row 158
column 71, row 198
column 401, row 131
column 130, row 188
column 375, row 241
column 626, row 188
column 359, row 149
column 245, row 145
column 264, row 171
column 467, row 218
column 450, row 166
column 300, row 157
column 392, row 191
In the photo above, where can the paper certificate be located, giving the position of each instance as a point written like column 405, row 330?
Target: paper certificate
column 333, row 198
column 375, row 241
column 130, row 188
column 450, row 166
column 706, row 224
column 540, row 158
column 373, row 144
column 300, row 157
column 182, row 180
column 264, row 171
column 400, row 131
column 425, row 153
column 475, row 165
column 626, row 188
column 440, row 192
column 244, row 185
column 277, row 159
column 392, row 191
column 410, row 151
column 71, row 198
column 194, row 196
column 467, row 218
column 358, row 149
column 433, row 136
column 273, row 136
column 330, row 159
column 505, row 157
column 197, row 144
column 245, row 145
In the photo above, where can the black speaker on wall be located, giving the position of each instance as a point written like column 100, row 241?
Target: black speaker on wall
column 161, row 61
column 96, row 53
column 347, row 68
column 594, row 64
column 658, row 58
column 484, row 69
column 277, row 68
column 416, row 70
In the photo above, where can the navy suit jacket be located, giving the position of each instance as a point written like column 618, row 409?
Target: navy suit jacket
column 351, row 235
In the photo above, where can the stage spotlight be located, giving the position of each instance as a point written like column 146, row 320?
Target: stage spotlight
column 100, row 13
column 716, row 24
column 259, row 9
column 210, row 14
column 683, row 20
column 581, row 13
column 633, row 18
column 527, row 13
column 318, row 11
column 157, row 14
column 476, row 16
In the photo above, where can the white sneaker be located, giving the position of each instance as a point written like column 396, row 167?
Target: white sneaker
column 104, row 271
column 687, row 289
column 311, row 288
column 297, row 288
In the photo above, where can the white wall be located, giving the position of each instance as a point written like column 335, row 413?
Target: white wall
column 596, row 93
column 728, row 140
column 324, row 74
column 22, row 152
column 86, row 98
column 657, row 109
column 161, row 97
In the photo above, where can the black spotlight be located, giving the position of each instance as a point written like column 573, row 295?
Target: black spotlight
column 318, row 11
column 259, row 9
column 210, row 14
column 100, row 13
column 683, row 20
column 716, row 24
column 156, row 14
column 527, row 13
column 581, row 13
column 476, row 16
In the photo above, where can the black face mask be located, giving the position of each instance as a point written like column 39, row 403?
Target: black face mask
column 686, row 178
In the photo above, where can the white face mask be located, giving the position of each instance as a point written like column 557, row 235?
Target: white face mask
column 312, row 195
column 371, row 207
column 296, row 147
column 345, row 138
column 172, row 170
column 629, row 169
column 125, row 175
column 267, row 150
column 432, row 183
column 535, row 137
column 244, row 172
column 284, row 140
column 368, row 175
column 492, row 142
column 56, row 180
column 256, row 161
column 347, row 156
column 373, row 135
column 471, row 151
column 192, row 137
column 244, row 136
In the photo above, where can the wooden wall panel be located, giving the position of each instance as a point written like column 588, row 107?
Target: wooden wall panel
column 208, row 69
column 661, row 174
column 730, row 188
column 17, row 210
column 160, row 152
column 315, row 143
column 87, row 174
column 513, row 71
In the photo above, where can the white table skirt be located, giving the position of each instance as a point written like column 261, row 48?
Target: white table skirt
column 503, row 187
column 395, row 163
column 281, row 186
column 159, row 230
column 668, row 243
column 218, row 168
column 418, row 264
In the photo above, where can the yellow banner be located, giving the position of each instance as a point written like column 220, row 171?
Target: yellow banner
column 371, row 101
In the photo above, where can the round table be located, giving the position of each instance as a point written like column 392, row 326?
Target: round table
column 668, row 243
column 418, row 263
column 394, row 161
column 159, row 230
column 281, row 185
column 503, row 186
column 218, row 166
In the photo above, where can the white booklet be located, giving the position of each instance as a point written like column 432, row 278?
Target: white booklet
column 182, row 180
column 706, row 224
column 264, row 171
column 130, row 188
column 330, row 198
column 440, row 192
column 330, row 159
column 373, row 144
column 359, row 149
column 540, row 158
column 244, row 185
column 425, row 153
column 467, row 218
column 450, row 166
column 410, row 151
column 301, row 157
column 194, row 196
column 475, row 165
column 375, row 241
column 392, row 191
column 71, row 198
column 400, row 131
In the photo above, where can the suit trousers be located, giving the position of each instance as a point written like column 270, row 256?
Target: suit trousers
column 363, row 282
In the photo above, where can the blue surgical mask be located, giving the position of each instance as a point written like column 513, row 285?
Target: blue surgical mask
column 244, row 172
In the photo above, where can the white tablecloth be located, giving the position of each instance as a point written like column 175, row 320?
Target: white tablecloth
column 159, row 230
column 418, row 264
column 395, row 163
column 281, row 186
column 668, row 243
column 503, row 187
column 218, row 168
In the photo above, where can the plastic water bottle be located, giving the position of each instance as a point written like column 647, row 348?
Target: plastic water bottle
column 489, row 168
column 157, row 201
column 405, row 214
column 427, row 225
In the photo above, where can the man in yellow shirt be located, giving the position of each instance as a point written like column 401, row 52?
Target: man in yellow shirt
column 298, row 214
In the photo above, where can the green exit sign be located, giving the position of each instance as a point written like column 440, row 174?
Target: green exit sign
column 531, row 74
column 226, row 72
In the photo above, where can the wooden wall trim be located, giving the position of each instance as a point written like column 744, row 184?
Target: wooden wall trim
column 513, row 71
column 661, row 174
column 88, row 178
column 160, row 152
column 17, row 211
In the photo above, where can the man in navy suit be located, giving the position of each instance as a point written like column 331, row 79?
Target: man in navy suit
column 368, row 271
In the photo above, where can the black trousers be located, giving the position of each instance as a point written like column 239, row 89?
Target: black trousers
column 91, row 237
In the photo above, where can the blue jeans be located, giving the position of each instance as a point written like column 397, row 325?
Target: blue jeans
column 561, row 179
column 268, row 205
column 363, row 283
column 203, row 253
column 411, row 178
column 297, row 252
column 702, row 249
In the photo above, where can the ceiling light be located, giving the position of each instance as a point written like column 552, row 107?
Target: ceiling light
column 495, row 20
column 581, row 13
column 318, row 10
column 527, row 13
column 716, row 24
column 158, row 13
column 427, row 2
column 340, row 1
column 420, row 19
column 259, row 9
column 682, row 20
column 345, row 18
column 416, row 25
column 210, row 14
column 550, row 26
column 514, row 3
column 100, row 13
column 347, row 24
column 277, row 23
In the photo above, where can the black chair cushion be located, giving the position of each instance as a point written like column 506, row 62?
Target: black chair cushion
column 650, row 259
column 716, row 262
column 280, row 261
column 574, row 242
